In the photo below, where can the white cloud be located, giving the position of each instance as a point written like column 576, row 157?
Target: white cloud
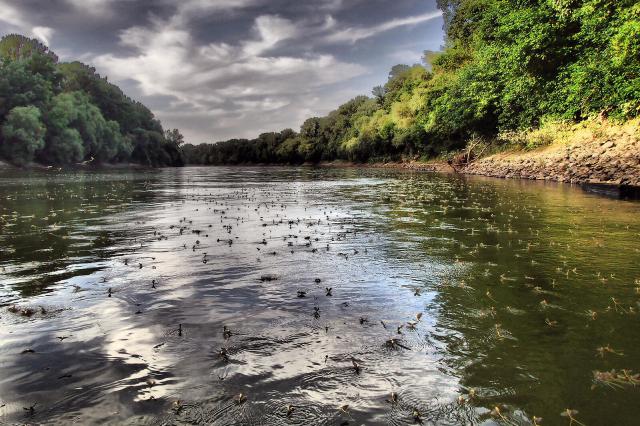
column 329, row 23
column 42, row 33
column 16, row 19
column 216, row 52
column 333, row 5
column 264, row 104
column 277, row 73
column 200, row 6
column 271, row 29
column 243, row 122
column 90, row 5
column 184, row 8
column 11, row 15
column 243, row 87
column 96, row 8
column 221, row 80
column 353, row 35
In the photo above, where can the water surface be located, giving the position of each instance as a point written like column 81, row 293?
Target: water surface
column 457, row 294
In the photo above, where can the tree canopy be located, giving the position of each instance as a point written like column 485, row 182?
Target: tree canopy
column 66, row 113
column 506, row 65
column 23, row 134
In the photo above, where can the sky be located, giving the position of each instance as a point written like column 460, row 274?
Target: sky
column 220, row 69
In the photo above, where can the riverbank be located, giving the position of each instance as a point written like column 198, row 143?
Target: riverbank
column 586, row 153
column 418, row 166
column 598, row 153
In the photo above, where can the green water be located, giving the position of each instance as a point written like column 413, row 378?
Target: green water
column 116, row 285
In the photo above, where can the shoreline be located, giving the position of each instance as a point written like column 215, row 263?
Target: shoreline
column 433, row 166
column 102, row 166
column 587, row 153
column 569, row 165
column 523, row 166
column 591, row 153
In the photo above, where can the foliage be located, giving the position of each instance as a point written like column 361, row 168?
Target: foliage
column 19, row 86
column 22, row 134
column 507, row 67
column 174, row 136
column 16, row 46
column 554, row 132
column 84, row 118
column 101, row 139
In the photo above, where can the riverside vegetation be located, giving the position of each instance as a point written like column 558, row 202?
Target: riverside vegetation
column 510, row 74
column 56, row 113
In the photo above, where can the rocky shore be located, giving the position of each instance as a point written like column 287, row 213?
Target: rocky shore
column 587, row 153
column 606, row 154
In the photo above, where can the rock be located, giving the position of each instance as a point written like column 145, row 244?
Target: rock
column 608, row 145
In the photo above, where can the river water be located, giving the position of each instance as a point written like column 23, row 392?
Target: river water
column 473, row 301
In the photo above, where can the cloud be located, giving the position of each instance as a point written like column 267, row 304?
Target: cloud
column 242, row 121
column 271, row 29
column 223, row 80
column 11, row 15
column 332, row 5
column 224, row 68
column 187, row 7
column 352, row 35
column 184, row 8
column 93, row 7
column 42, row 33
column 16, row 19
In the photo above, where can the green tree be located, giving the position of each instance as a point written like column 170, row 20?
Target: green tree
column 86, row 117
column 63, row 147
column 174, row 136
column 17, row 47
column 101, row 140
column 379, row 93
column 22, row 135
column 21, row 87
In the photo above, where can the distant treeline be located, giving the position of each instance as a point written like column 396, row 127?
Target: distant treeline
column 507, row 65
column 58, row 113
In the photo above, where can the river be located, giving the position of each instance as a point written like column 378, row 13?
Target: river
column 349, row 296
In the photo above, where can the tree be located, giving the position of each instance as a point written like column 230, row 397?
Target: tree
column 109, row 98
column 18, row 47
column 428, row 56
column 379, row 93
column 23, row 135
column 101, row 140
column 85, row 116
column 64, row 147
column 398, row 70
column 174, row 136
column 21, row 87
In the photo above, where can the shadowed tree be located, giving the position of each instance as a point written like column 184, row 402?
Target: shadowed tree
column 22, row 135
column 174, row 136
column 378, row 93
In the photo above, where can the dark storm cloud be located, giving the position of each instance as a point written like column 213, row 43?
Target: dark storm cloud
column 234, row 68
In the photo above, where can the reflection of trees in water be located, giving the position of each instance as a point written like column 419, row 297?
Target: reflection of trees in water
column 55, row 228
